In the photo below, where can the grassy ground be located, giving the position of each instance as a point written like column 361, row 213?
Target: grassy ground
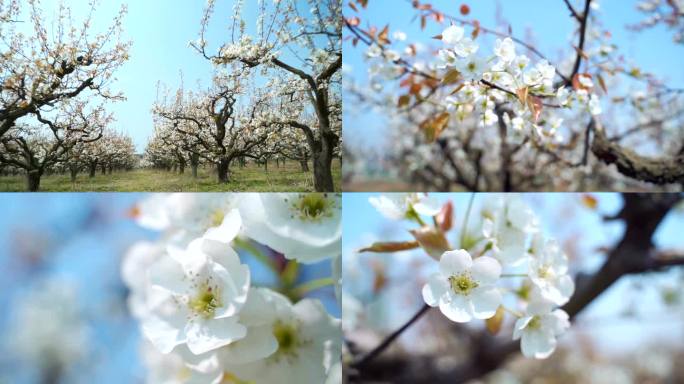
column 251, row 178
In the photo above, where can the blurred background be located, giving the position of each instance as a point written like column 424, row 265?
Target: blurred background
column 632, row 333
column 64, row 317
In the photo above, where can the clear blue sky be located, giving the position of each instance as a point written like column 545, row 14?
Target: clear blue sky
column 550, row 23
column 563, row 217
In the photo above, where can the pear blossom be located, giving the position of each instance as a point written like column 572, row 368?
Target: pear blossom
column 505, row 50
column 538, row 329
column 595, row 105
column 195, row 296
column 139, row 258
column 548, row 269
column 452, row 35
column 464, row 288
column 472, row 67
column 303, row 226
column 47, row 327
column 505, row 226
column 187, row 216
column 399, row 206
column 308, row 344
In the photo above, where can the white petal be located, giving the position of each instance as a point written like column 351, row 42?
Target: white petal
column 205, row 335
column 561, row 321
column 538, row 345
column 256, row 311
column 485, row 302
column 168, row 274
column 258, row 344
column 486, row 270
column 487, row 228
column 435, row 288
column 457, row 308
column 519, row 327
column 511, row 242
column 229, row 228
column 566, row 286
column 454, row 262
column 164, row 334
column 387, row 207
column 427, row 206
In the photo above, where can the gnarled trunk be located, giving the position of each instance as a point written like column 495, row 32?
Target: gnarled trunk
column 223, row 170
column 304, row 164
column 322, row 169
column 33, row 180
column 93, row 169
column 194, row 163
column 73, row 171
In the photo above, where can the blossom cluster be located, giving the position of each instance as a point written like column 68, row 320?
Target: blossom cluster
column 472, row 280
column 482, row 82
column 204, row 315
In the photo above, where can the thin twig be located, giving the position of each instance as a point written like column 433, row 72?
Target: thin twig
column 572, row 11
column 386, row 343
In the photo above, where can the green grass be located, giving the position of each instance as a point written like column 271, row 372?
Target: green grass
column 249, row 179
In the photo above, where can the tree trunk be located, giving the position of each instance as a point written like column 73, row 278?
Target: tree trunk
column 109, row 169
column 322, row 165
column 305, row 165
column 104, row 169
column 93, row 169
column 33, row 180
column 194, row 162
column 223, row 169
column 181, row 167
column 266, row 165
column 73, row 170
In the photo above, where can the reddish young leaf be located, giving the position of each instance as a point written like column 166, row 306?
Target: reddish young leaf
column 383, row 247
column 445, row 217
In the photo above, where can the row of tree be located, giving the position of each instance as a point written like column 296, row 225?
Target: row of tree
column 52, row 89
column 262, row 104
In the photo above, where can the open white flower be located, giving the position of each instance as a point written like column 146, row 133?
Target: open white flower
column 472, row 68
column 466, row 47
column 397, row 206
column 505, row 225
column 307, row 344
column 195, row 296
column 464, row 288
column 302, row 226
column 452, row 35
column 137, row 260
column 548, row 270
column 187, row 216
column 505, row 49
column 538, row 329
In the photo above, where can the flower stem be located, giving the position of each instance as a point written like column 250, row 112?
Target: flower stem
column 386, row 343
column 313, row 285
column 254, row 251
column 512, row 312
column 464, row 229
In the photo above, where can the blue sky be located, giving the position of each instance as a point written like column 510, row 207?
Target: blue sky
column 563, row 217
column 549, row 22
